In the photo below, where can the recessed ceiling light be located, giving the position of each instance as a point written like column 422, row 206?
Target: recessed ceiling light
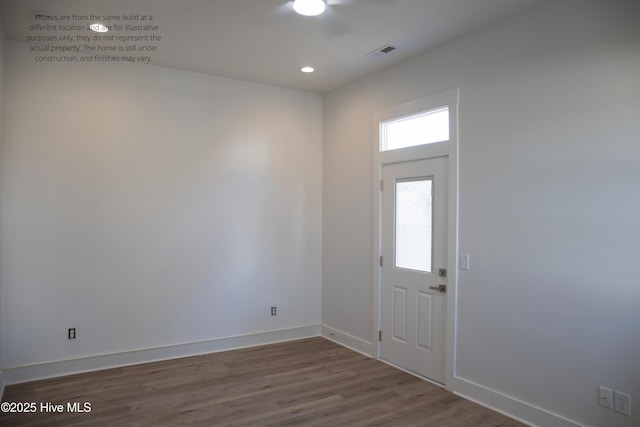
column 309, row 7
column 307, row 69
column 98, row 28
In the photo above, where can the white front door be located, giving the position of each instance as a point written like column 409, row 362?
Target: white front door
column 414, row 262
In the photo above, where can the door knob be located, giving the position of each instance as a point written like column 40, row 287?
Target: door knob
column 439, row 288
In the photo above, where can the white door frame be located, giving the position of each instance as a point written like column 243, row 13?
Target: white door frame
column 449, row 149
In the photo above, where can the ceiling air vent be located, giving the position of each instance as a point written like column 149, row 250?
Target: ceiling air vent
column 381, row 51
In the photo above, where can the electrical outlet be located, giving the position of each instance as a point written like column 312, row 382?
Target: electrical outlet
column 605, row 397
column 273, row 311
column 71, row 333
column 622, row 403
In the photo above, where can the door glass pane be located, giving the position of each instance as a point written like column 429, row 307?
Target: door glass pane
column 414, row 224
column 419, row 129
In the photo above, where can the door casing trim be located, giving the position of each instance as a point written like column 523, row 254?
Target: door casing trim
column 448, row 149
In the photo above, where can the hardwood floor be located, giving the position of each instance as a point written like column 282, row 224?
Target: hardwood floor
column 311, row 382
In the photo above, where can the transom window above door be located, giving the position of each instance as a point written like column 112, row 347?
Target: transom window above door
column 423, row 128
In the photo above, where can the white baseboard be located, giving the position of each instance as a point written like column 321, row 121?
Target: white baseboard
column 510, row 406
column 23, row 374
column 522, row 411
column 499, row 402
column 354, row 343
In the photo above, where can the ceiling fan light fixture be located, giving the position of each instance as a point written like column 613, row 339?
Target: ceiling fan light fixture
column 309, row 7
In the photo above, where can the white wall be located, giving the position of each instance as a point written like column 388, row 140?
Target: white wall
column 549, row 206
column 151, row 207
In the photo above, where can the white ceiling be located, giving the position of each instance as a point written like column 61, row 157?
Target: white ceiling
column 265, row 41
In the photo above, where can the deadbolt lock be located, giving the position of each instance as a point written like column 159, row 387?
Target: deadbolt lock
column 442, row 272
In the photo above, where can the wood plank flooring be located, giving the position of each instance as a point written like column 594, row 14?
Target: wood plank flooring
column 311, row 382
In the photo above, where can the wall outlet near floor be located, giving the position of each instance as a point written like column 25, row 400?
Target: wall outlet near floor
column 274, row 311
column 615, row 400
column 71, row 334
column 622, row 402
column 605, row 397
